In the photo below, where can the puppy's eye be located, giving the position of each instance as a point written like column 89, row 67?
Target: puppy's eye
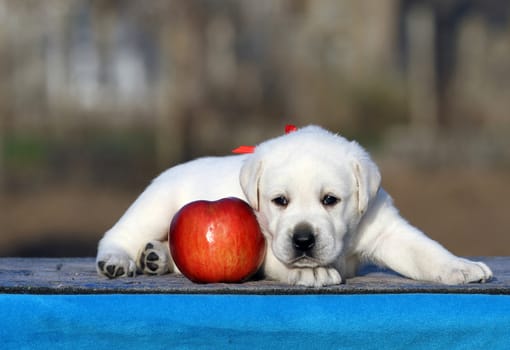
column 281, row 201
column 329, row 200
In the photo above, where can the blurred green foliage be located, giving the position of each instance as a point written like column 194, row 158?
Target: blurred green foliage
column 124, row 157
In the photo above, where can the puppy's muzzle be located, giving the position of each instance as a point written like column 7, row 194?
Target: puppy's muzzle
column 303, row 238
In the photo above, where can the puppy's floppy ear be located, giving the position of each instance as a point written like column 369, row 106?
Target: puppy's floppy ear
column 249, row 178
column 368, row 179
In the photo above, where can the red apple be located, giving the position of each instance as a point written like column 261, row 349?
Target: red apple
column 218, row 241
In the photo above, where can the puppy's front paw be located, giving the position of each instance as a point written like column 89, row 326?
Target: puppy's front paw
column 465, row 271
column 314, row 277
column 114, row 265
column 154, row 258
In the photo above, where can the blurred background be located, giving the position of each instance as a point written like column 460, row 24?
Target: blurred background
column 98, row 97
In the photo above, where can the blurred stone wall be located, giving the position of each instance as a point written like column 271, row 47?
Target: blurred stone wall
column 98, row 96
column 172, row 80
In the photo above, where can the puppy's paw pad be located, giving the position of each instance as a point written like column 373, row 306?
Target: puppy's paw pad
column 113, row 266
column 154, row 258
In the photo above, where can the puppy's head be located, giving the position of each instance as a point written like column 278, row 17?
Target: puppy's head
column 310, row 189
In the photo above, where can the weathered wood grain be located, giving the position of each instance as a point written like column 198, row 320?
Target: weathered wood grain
column 78, row 276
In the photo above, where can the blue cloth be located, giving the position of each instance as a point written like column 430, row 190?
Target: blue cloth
column 254, row 322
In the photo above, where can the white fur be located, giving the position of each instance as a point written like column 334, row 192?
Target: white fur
column 303, row 167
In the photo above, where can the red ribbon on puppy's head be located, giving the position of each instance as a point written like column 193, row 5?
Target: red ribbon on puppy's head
column 290, row 128
column 250, row 149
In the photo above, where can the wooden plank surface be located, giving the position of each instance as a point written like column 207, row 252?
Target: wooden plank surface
column 78, row 276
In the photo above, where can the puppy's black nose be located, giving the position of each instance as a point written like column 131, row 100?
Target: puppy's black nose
column 303, row 238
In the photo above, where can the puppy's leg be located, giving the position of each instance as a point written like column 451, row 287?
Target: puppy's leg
column 410, row 253
column 146, row 220
column 387, row 239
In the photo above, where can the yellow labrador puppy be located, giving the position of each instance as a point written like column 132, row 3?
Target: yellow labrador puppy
column 318, row 200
